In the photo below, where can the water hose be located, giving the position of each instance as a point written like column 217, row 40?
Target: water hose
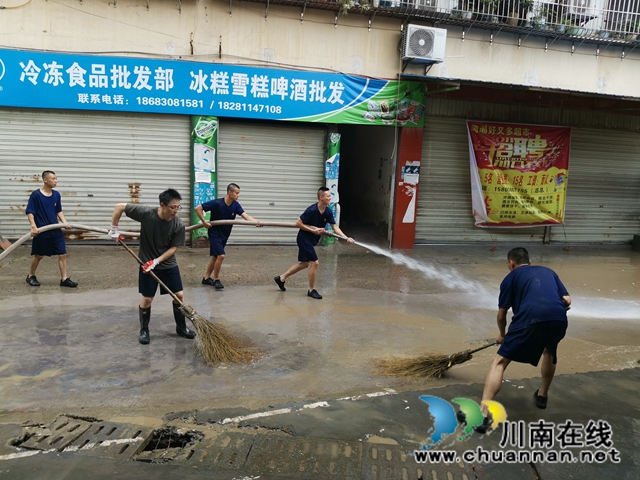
column 87, row 228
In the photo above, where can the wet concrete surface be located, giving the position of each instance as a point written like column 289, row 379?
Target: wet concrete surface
column 75, row 351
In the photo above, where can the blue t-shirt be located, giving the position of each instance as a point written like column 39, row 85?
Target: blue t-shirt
column 314, row 218
column 221, row 211
column 534, row 293
column 45, row 210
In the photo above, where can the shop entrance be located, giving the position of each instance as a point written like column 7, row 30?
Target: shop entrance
column 367, row 167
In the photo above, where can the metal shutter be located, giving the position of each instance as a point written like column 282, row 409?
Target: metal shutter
column 603, row 196
column 100, row 159
column 444, row 199
column 279, row 169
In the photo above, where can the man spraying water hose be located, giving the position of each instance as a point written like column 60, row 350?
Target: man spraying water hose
column 311, row 224
column 161, row 233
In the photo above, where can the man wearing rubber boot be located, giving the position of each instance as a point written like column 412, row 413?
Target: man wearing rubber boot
column 161, row 233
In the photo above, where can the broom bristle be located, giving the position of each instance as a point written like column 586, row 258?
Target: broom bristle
column 428, row 366
column 216, row 344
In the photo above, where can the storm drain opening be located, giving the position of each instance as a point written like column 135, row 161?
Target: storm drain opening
column 169, row 444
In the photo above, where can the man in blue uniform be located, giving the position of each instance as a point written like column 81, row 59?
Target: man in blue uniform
column 45, row 208
column 539, row 302
column 225, row 208
column 311, row 224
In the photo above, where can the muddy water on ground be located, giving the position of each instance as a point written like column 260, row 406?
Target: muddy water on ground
column 78, row 349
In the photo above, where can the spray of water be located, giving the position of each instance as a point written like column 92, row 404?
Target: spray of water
column 449, row 277
column 601, row 308
column 604, row 308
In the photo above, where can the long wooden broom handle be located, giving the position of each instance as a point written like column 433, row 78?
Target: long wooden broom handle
column 482, row 348
column 173, row 295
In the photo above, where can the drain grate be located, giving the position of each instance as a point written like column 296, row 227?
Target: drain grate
column 169, row 444
column 303, row 457
column 229, row 451
column 57, row 436
column 111, row 440
column 391, row 462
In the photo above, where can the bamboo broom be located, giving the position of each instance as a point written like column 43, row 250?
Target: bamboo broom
column 428, row 366
column 215, row 343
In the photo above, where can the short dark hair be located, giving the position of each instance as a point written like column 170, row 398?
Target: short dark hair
column 47, row 173
column 519, row 255
column 321, row 191
column 168, row 195
column 233, row 186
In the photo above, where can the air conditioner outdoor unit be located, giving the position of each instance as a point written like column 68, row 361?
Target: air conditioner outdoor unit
column 423, row 44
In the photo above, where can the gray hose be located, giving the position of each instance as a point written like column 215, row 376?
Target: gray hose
column 88, row 228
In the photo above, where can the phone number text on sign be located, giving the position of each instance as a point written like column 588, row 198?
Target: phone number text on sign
column 169, row 102
column 247, row 107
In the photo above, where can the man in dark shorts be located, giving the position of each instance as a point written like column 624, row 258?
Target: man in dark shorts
column 161, row 233
column 311, row 224
column 45, row 208
column 539, row 302
column 225, row 208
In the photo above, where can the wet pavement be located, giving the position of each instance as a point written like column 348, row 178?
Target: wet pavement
column 71, row 353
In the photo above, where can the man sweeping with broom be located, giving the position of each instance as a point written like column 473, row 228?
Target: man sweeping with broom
column 539, row 302
column 161, row 233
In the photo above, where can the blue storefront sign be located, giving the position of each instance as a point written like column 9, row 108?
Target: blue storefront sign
column 125, row 84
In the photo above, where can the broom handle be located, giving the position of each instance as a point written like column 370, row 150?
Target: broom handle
column 173, row 295
column 482, row 348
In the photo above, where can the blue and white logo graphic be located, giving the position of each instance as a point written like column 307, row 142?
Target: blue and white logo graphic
column 446, row 422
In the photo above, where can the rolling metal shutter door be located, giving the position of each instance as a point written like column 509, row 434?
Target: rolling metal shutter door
column 603, row 196
column 444, row 199
column 279, row 169
column 100, row 159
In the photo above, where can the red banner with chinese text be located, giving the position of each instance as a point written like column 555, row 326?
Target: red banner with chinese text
column 518, row 173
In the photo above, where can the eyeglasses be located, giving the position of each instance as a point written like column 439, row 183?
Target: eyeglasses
column 175, row 208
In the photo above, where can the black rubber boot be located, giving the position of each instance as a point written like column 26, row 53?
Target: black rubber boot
column 145, row 318
column 181, row 324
